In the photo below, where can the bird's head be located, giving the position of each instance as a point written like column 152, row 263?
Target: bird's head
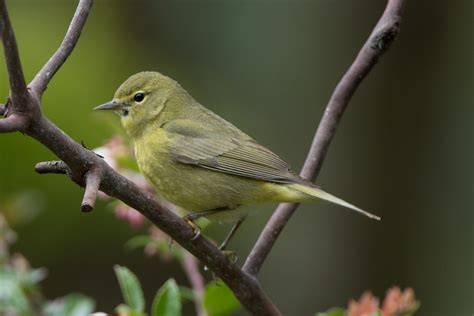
column 141, row 98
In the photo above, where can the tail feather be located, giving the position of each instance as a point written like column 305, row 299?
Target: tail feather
column 322, row 195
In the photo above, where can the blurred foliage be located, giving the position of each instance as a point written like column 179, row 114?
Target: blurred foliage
column 396, row 303
column 70, row 305
column 219, row 299
column 335, row 312
column 20, row 293
column 22, row 207
column 404, row 149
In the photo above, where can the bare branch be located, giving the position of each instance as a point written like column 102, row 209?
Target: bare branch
column 378, row 42
column 41, row 80
column 3, row 108
column 92, row 182
column 55, row 166
column 12, row 59
column 13, row 123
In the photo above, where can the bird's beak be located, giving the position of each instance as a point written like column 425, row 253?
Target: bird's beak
column 112, row 105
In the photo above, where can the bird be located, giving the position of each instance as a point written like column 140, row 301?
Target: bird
column 200, row 162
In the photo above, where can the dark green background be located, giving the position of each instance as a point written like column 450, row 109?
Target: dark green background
column 404, row 149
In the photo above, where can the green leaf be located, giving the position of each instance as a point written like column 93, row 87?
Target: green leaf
column 219, row 299
column 12, row 296
column 131, row 290
column 167, row 301
column 70, row 305
column 333, row 312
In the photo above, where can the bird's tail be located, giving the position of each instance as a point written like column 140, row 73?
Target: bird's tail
column 316, row 193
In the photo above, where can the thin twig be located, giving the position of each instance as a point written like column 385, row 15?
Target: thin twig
column 18, row 88
column 382, row 36
column 92, row 183
column 41, row 80
column 55, row 166
column 191, row 269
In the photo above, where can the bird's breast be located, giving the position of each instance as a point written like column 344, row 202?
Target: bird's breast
column 153, row 157
column 173, row 181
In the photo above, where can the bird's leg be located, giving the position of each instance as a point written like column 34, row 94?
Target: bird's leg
column 170, row 244
column 191, row 217
column 231, row 233
column 232, row 255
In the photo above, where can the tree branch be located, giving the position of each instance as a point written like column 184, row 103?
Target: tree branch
column 13, row 123
column 18, row 89
column 56, row 166
column 92, row 180
column 44, row 76
column 378, row 42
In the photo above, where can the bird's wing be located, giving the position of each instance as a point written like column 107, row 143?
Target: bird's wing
column 227, row 154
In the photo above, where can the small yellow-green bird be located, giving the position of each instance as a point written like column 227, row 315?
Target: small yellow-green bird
column 200, row 162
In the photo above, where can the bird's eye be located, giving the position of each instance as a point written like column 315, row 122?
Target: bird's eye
column 139, row 97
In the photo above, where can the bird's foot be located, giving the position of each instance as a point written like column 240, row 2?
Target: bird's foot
column 194, row 226
column 231, row 255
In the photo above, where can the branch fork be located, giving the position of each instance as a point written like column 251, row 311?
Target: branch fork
column 84, row 167
column 90, row 181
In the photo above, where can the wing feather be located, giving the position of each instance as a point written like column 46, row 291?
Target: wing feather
column 241, row 157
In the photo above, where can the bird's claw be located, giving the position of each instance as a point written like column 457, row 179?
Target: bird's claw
column 232, row 256
column 197, row 232
column 194, row 226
